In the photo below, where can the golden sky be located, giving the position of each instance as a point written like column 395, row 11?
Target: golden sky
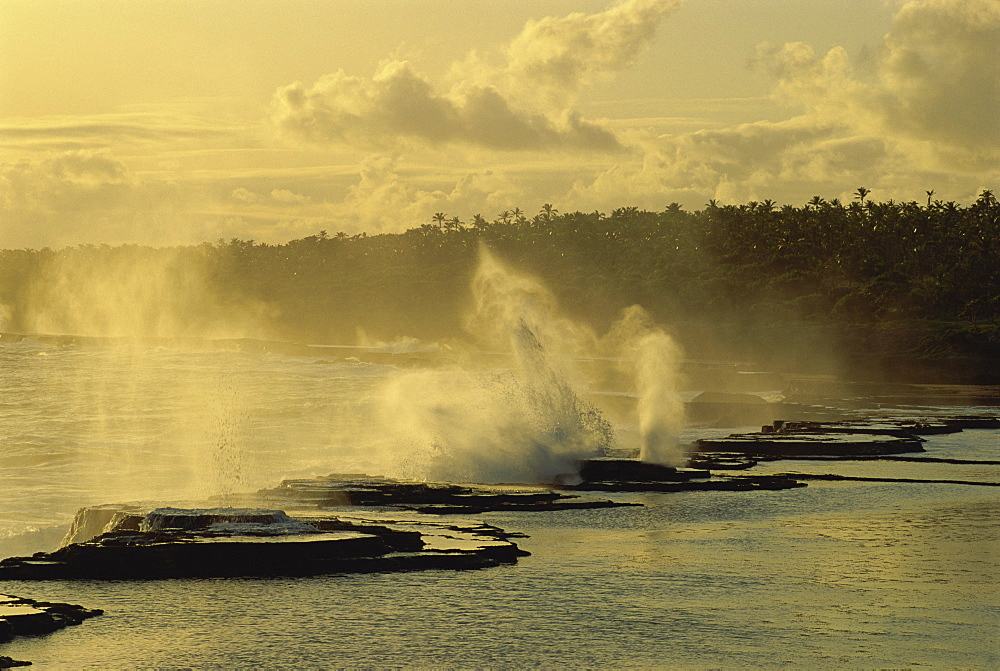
column 181, row 121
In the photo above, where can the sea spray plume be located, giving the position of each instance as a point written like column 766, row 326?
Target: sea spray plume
column 461, row 426
column 505, row 302
column 226, row 472
column 523, row 424
column 661, row 411
column 520, row 315
column 653, row 358
column 568, row 422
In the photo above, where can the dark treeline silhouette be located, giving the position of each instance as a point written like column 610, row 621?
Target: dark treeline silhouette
column 865, row 279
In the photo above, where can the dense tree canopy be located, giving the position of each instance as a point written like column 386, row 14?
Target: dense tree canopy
column 927, row 268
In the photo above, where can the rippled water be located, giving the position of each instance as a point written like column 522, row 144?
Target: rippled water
column 857, row 574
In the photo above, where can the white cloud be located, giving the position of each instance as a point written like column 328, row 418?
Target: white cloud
column 383, row 200
column 923, row 116
column 523, row 104
column 87, row 196
column 386, row 152
column 935, row 79
column 558, row 56
column 81, row 180
column 940, row 73
column 245, row 195
column 286, row 196
column 398, row 103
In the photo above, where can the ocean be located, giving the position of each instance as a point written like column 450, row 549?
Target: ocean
column 836, row 574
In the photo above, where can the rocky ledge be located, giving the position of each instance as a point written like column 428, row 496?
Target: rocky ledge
column 228, row 542
column 27, row 617
column 355, row 489
column 794, row 439
column 629, row 475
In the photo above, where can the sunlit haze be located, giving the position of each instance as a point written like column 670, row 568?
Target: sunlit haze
column 517, row 333
column 187, row 121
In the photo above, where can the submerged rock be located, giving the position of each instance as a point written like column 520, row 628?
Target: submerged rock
column 227, row 542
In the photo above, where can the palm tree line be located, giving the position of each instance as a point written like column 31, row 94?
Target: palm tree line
column 825, row 262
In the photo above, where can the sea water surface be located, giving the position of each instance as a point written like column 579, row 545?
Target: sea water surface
column 858, row 574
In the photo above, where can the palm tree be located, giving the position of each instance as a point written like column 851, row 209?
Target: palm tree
column 861, row 193
column 929, row 195
column 548, row 212
column 439, row 218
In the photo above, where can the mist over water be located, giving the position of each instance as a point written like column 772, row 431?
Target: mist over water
column 92, row 423
column 529, row 421
column 135, row 292
column 183, row 420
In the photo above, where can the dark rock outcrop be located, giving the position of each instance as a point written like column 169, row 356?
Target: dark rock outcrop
column 867, row 436
column 27, row 617
column 9, row 663
column 722, row 461
column 631, row 470
column 227, row 542
column 817, row 438
column 426, row 497
column 629, row 475
column 745, row 483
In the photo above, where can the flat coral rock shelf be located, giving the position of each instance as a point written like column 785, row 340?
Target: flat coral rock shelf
column 631, row 475
column 355, row 489
column 793, row 439
column 27, row 617
column 229, row 542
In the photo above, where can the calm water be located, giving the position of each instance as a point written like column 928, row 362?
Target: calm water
column 835, row 574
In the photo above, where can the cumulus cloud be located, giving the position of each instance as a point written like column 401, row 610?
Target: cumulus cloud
column 400, row 103
column 286, row 196
column 384, row 200
column 83, row 196
column 558, row 56
column 922, row 114
column 917, row 112
column 940, row 72
column 523, row 104
column 244, row 195
column 80, row 179
column 935, row 78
